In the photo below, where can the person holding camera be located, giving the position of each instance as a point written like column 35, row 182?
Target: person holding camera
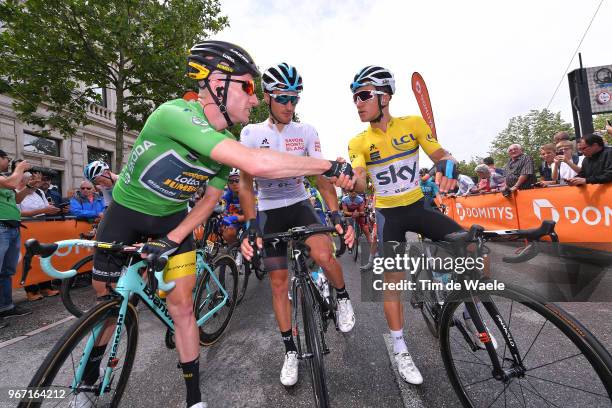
column 565, row 165
column 10, row 239
column 35, row 204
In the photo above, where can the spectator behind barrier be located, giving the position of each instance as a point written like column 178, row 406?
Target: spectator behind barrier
column 53, row 196
column 566, row 164
column 10, row 239
column 520, row 171
column 487, row 180
column 86, row 204
column 464, row 184
column 597, row 163
column 491, row 165
column 547, row 154
column 35, row 204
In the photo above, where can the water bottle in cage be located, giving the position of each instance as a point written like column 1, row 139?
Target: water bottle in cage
column 320, row 281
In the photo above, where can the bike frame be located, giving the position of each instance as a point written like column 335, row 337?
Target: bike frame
column 131, row 283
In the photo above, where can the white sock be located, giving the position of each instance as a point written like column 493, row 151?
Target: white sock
column 399, row 345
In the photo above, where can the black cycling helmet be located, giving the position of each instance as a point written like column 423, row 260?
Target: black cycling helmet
column 380, row 77
column 230, row 59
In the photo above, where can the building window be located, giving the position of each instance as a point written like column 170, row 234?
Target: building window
column 99, row 154
column 101, row 93
column 43, row 145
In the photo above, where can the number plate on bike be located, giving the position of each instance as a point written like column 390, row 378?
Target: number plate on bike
column 210, row 245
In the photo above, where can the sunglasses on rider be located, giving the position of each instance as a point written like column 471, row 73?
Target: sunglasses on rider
column 363, row 96
column 233, row 181
column 284, row 99
column 248, row 86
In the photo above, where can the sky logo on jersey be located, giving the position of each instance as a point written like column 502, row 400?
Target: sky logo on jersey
column 393, row 175
column 402, row 143
column 171, row 177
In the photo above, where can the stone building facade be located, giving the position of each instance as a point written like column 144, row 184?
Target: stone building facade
column 67, row 157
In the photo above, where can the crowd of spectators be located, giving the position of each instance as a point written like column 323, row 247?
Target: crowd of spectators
column 27, row 192
column 563, row 162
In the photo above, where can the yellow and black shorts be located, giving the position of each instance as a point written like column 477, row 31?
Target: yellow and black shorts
column 121, row 224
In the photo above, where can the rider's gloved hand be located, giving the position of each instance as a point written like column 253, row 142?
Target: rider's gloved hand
column 160, row 247
column 250, row 235
column 338, row 168
column 446, row 175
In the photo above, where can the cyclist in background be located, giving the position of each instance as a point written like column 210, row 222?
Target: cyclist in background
column 354, row 206
column 98, row 172
column 429, row 188
column 232, row 213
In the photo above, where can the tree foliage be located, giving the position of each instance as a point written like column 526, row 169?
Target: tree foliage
column 55, row 54
column 467, row 167
column 599, row 124
column 530, row 131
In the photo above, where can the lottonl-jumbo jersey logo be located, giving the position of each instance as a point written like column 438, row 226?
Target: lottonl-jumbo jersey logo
column 403, row 143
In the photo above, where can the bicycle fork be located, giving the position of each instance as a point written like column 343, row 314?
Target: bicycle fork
column 517, row 369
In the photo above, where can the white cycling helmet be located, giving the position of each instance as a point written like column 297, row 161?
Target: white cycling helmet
column 94, row 169
column 234, row 172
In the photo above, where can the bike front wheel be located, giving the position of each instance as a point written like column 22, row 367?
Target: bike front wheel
column 77, row 293
column 59, row 370
column 314, row 349
column 563, row 363
column 209, row 295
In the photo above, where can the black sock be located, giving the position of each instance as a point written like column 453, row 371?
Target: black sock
column 288, row 340
column 191, row 375
column 341, row 293
column 92, row 367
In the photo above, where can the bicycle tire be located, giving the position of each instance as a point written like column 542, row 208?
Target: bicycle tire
column 68, row 285
column 356, row 242
column 52, row 364
column 425, row 300
column 206, row 296
column 312, row 331
column 339, row 244
column 597, row 357
column 260, row 273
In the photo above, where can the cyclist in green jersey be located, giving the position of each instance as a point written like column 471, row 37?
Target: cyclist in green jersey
column 182, row 145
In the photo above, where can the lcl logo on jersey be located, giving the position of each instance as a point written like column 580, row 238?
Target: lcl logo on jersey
column 393, row 175
column 401, row 142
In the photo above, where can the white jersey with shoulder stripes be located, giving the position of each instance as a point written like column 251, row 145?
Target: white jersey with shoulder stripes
column 298, row 139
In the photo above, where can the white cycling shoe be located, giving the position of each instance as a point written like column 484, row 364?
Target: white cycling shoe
column 199, row 405
column 408, row 371
column 289, row 372
column 346, row 315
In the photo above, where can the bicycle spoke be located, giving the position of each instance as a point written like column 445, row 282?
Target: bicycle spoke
column 498, row 395
column 554, row 362
column 534, row 340
column 535, row 392
column 479, row 382
column 566, row 385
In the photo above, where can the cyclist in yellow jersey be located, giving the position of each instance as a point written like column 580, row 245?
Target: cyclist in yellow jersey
column 388, row 151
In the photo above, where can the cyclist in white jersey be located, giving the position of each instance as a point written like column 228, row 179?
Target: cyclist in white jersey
column 98, row 172
column 284, row 203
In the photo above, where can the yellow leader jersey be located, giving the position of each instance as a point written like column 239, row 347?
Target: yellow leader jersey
column 391, row 159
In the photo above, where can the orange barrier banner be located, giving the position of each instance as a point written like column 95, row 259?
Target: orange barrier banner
column 492, row 211
column 47, row 232
column 583, row 214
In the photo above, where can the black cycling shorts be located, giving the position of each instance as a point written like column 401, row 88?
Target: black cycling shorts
column 280, row 220
column 393, row 223
column 120, row 224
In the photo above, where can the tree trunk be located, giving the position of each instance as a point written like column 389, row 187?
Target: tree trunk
column 119, row 131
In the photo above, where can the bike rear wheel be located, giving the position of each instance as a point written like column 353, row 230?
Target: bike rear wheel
column 59, row 369
column 208, row 295
column 314, row 349
column 244, row 271
column 77, row 293
column 565, row 366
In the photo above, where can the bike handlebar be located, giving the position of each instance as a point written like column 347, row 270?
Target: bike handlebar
column 46, row 252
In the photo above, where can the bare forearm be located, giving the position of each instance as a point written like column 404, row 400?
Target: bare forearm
column 197, row 216
column 328, row 192
column 247, row 196
column 20, row 195
column 522, row 178
column 267, row 163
